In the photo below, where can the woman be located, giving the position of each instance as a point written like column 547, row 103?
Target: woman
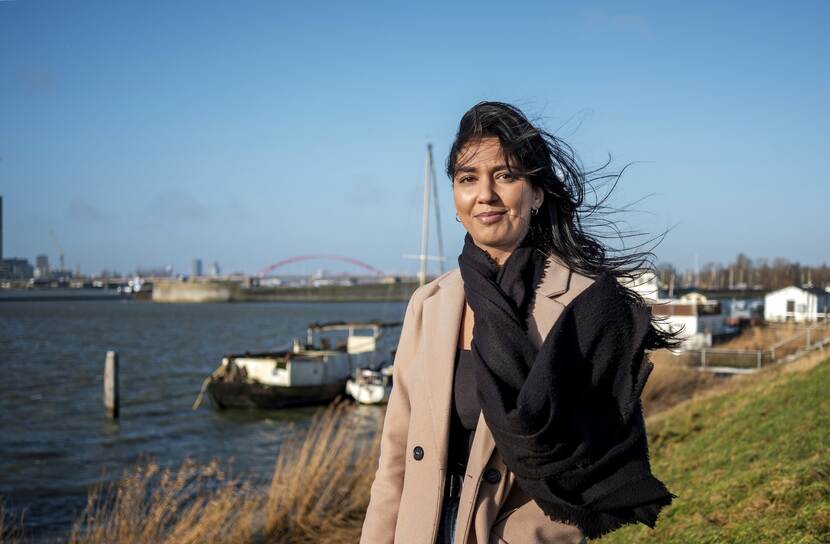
column 515, row 415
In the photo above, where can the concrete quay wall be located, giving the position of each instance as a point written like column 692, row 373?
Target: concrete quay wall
column 399, row 292
column 209, row 291
column 227, row 291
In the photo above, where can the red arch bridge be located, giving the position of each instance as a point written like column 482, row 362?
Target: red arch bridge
column 320, row 257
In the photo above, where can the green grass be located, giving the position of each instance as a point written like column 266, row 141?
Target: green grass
column 749, row 465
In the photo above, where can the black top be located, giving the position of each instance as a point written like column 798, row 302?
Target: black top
column 464, row 413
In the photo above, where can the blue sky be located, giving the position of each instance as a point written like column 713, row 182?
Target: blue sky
column 150, row 133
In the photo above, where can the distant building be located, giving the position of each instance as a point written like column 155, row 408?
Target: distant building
column 694, row 296
column 214, row 269
column 16, row 269
column 155, row 271
column 697, row 317
column 197, row 267
column 743, row 310
column 797, row 304
column 42, row 266
column 646, row 285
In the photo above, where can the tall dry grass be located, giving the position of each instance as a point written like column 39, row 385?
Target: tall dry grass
column 318, row 493
column 320, row 488
column 762, row 336
column 11, row 530
column 150, row 505
column 671, row 381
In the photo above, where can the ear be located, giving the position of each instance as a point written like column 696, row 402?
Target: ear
column 538, row 197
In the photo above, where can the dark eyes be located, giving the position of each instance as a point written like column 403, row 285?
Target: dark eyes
column 501, row 176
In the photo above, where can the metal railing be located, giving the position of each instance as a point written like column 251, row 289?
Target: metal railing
column 744, row 361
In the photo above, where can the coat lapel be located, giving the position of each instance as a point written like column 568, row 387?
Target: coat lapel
column 442, row 316
column 546, row 310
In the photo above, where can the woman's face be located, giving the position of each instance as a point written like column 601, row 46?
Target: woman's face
column 492, row 205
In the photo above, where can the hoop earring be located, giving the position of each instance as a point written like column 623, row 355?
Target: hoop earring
column 534, row 211
column 457, row 219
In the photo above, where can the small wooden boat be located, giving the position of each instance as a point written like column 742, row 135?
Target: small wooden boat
column 307, row 374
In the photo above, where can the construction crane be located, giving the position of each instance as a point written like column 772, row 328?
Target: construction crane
column 57, row 245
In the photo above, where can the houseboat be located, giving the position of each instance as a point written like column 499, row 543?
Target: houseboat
column 314, row 372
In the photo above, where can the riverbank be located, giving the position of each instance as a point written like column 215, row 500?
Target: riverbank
column 61, row 293
column 749, row 462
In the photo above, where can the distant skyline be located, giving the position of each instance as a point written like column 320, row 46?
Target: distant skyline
column 152, row 134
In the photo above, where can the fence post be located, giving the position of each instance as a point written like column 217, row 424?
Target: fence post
column 703, row 358
column 808, row 338
column 759, row 357
column 111, row 384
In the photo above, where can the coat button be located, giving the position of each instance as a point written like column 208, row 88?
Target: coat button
column 492, row 476
column 418, row 453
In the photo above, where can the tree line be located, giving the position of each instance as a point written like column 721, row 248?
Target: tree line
column 746, row 273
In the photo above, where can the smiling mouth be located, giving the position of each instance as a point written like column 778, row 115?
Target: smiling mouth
column 490, row 217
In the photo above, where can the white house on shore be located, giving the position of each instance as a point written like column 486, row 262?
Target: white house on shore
column 797, row 304
column 697, row 317
column 646, row 285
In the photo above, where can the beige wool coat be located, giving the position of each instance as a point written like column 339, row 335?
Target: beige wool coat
column 407, row 492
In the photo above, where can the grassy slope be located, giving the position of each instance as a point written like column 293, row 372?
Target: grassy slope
column 749, row 465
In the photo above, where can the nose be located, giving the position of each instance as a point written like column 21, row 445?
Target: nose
column 486, row 191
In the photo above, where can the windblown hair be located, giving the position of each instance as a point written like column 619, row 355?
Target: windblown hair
column 564, row 221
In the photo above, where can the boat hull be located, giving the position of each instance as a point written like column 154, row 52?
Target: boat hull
column 270, row 397
column 368, row 393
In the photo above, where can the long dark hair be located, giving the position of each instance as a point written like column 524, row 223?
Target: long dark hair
column 564, row 220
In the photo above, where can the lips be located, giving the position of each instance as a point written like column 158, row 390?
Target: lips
column 490, row 217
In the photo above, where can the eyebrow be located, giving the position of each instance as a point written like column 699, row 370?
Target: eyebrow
column 470, row 169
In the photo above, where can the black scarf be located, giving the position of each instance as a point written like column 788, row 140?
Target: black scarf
column 567, row 419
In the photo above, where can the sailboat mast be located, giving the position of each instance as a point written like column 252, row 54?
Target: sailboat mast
column 422, row 275
column 437, row 214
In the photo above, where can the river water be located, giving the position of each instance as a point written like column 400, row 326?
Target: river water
column 55, row 439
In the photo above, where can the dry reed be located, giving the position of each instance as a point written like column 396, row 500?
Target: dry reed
column 194, row 503
column 11, row 530
column 320, row 488
column 671, row 382
column 765, row 336
column 318, row 493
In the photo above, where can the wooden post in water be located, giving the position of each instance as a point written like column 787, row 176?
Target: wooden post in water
column 111, row 384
